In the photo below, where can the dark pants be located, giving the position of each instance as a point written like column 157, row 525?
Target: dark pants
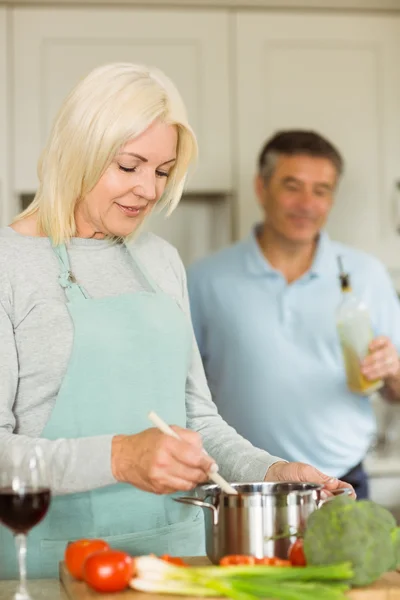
column 358, row 478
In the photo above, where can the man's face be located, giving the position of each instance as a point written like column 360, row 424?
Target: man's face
column 298, row 196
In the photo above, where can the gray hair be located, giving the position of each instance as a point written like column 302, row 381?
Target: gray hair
column 268, row 167
column 297, row 142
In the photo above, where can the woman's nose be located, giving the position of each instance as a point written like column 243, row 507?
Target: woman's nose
column 146, row 186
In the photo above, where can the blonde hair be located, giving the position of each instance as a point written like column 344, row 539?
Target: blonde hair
column 113, row 104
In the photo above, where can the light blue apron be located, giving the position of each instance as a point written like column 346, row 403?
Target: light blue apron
column 131, row 354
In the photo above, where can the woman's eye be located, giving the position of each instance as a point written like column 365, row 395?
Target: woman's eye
column 127, row 169
column 133, row 169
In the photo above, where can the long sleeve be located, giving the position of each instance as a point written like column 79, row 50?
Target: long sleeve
column 75, row 465
column 237, row 458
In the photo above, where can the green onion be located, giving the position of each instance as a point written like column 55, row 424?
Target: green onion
column 341, row 571
column 175, row 588
column 294, row 591
column 243, row 582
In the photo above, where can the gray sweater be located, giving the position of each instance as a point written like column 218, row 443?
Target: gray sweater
column 35, row 343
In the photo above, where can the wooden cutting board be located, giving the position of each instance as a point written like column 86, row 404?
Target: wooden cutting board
column 387, row 588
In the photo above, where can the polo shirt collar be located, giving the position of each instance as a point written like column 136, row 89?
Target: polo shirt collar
column 257, row 263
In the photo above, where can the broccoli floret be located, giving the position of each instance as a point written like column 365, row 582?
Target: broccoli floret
column 363, row 533
column 396, row 543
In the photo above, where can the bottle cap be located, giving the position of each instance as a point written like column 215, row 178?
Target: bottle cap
column 343, row 277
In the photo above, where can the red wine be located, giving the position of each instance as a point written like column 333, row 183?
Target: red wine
column 22, row 511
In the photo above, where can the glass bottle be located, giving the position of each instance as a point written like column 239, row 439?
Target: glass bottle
column 355, row 334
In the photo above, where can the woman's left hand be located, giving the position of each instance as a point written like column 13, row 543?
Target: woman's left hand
column 383, row 361
column 297, row 471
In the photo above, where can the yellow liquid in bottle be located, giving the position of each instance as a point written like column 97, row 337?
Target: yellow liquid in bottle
column 356, row 381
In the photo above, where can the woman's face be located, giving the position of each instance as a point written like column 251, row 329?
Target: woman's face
column 130, row 187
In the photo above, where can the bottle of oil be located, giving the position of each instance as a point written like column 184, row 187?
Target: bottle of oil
column 355, row 334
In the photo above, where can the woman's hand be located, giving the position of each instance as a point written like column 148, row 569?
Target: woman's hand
column 296, row 471
column 158, row 463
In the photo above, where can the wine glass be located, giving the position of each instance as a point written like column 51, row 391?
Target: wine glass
column 24, row 501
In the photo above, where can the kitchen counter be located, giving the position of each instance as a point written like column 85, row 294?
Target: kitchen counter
column 388, row 588
column 40, row 589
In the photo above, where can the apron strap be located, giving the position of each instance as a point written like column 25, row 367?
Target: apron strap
column 136, row 262
column 66, row 279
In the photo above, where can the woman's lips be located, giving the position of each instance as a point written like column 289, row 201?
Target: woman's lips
column 130, row 211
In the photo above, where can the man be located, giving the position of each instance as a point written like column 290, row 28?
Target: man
column 264, row 314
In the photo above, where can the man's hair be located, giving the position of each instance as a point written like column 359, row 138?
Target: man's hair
column 296, row 142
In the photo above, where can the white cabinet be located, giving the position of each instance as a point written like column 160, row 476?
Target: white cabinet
column 339, row 75
column 5, row 192
column 243, row 75
column 54, row 48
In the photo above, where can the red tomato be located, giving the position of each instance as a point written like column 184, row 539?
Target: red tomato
column 174, row 560
column 108, row 571
column 280, row 562
column 77, row 552
column 273, row 562
column 266, row 561
column 237, row 559
column 296, row 554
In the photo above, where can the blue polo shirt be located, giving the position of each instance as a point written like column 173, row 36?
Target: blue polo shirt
column 271, row 350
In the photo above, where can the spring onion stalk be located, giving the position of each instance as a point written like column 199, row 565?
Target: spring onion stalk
column 339, row 572
column 176, row 588
column 295, row 591
column 243, row 582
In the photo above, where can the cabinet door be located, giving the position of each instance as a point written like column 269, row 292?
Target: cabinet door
column 54, row 48
column 4, row 136
column 337, row 75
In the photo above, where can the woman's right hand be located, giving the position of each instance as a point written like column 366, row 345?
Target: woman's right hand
column 159, row 463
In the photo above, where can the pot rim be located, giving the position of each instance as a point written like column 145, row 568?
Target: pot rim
column 266, row 488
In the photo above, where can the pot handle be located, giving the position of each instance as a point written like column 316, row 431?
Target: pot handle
column 201, row 503
column 340, row 492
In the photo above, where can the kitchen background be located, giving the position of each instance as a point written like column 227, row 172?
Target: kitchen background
column 245, row 69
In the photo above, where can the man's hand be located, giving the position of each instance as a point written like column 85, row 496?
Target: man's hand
column 296, row 471
column 382, row 362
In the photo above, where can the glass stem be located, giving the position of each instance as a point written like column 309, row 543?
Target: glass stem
column 20, row 542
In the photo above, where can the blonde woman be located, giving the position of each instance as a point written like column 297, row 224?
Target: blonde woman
column 95, row 332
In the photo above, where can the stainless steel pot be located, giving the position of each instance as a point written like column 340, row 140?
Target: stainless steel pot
column 262, row 520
